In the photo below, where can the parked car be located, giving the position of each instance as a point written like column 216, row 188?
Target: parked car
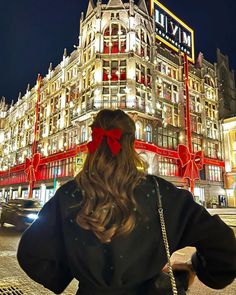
column 20, row 212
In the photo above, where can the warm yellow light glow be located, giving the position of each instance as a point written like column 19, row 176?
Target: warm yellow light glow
column 97, row 91
column 1, row 137
column 130, row 101
column 48, row 110
column 63, row 101
column 132, row 22
column 62, row 122
column 71, row 104
column 132, row 40
column 131, row 72
column 97, row 45
column 181, row 137
column 227, row 166
column 98, row 25
column 127, row 90
column 98, row 76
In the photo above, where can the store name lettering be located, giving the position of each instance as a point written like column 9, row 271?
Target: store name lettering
column 173, row 28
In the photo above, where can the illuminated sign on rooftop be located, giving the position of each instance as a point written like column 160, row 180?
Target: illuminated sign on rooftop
column 172, row 31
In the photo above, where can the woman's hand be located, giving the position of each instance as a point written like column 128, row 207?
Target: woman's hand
column 181, row 260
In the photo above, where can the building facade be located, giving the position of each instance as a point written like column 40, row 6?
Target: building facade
column 227, row 90
column 118, row 64
column 229, row 127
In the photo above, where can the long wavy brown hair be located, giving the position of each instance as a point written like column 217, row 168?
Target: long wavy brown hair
column 108, row 182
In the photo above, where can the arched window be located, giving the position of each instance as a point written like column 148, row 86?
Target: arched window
column 209, row 81
column 89, row 38
column 115, row 39
column 83, row 134
column 149, row 133
column 143, row 47
column 138, row 133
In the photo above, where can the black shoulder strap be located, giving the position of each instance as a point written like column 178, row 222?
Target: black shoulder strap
column 156, row 185
column 164, row 235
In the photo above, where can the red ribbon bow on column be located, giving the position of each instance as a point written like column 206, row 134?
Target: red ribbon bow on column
column 31, row 167
column 112, row 135
column 192, row 162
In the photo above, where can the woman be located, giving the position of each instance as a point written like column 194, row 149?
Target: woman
column 103, row 229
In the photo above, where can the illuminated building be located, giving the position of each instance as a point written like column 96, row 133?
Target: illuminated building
column 119, row 63
column 229, row 127
column 227, row 90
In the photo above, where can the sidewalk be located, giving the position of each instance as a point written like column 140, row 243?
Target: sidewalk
column 227, row 211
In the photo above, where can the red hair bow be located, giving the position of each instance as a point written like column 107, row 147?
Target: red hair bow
column 192, row 162
column 32, row 166
column 112, row 135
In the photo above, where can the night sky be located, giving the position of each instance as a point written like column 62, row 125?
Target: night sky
column 35, row 33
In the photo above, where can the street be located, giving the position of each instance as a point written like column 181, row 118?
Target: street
column 14, row 280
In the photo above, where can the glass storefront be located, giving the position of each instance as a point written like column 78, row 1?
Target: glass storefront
column 36, row 194
column 1, row 196
column 14, row 194
column 24, row 193
column 199, row 196
column 49, row 193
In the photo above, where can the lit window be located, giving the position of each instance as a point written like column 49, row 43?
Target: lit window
column 83, row 134
column 115, row 39
column 175, row 95
column 214, row 173
column 114, row 96
column 167, row 91
column 167, row 114
column 143, row 75
column 168, row 167
column 114, row 70
column 212, row 149
column 143, row 44
column 149, row 133
column 197, row 144
column 138, row 132
column 209, row 81
column 167, row 138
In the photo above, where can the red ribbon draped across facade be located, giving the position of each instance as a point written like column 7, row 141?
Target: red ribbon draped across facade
column 191, row 162
column 31, row 167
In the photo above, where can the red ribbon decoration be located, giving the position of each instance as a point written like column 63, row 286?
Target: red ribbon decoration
column 31, row 167
column 192, row 162
column 112, row 135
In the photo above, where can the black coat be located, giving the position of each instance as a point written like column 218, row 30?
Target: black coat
column 55, row 249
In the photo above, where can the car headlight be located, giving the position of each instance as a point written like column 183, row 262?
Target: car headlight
column 32, row 216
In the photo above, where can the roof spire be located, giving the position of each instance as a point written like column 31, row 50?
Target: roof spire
column 115, row 3
column 90, row 8
column 65, row 53
column 50, row 67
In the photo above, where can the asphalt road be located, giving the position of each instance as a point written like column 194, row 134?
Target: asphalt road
column 11, row 275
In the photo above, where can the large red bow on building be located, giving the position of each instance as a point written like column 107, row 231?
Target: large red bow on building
column 191, row 162
column 112, row 135
column 32, row 166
